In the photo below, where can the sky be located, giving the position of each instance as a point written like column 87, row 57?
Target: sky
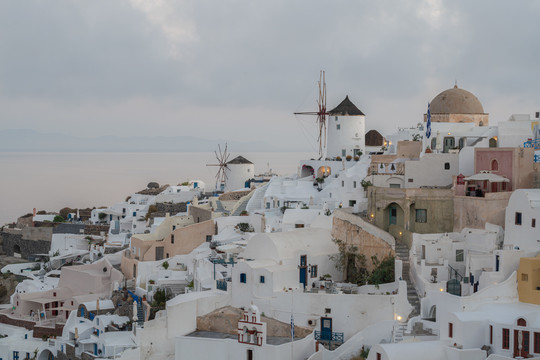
column 238, row 69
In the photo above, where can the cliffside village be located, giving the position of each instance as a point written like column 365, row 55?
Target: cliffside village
column 420, row 244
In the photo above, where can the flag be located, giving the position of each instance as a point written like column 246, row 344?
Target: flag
column 292, row 326
column 428, row 125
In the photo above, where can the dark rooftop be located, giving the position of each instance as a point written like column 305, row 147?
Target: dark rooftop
column 239, row 160
column 346, row 108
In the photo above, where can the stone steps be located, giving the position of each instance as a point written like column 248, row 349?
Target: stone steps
column 402, row 253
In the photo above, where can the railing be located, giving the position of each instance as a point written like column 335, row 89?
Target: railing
column 455, row 274
column 221, row 285
column 329, row 336
column 532, row 144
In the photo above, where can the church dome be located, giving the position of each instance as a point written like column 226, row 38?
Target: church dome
column 456, row 101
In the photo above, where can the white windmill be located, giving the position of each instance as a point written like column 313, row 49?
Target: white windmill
column 221, row 176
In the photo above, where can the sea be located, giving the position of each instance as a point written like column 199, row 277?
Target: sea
column 50, row 181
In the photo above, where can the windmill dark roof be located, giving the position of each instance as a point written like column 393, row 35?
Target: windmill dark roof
column 346, row 108
column 239, row 160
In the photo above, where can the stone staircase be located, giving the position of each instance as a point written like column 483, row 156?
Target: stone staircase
column 140, row 313
column 399, row 331
column 402, row 253
column 255, row 202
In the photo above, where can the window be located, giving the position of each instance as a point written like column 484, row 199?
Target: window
column 134, row 213
column 450, row 330
column 459, row 255
column 172, row 238
column 494, row 165
column 518, row 218
column 421, row 215
column 533, row 223
column 379, row 356
column 447, row 166
column 15, row 355
column 342, row 183
column 521, row 322
column 299, row 226
column 243, row 278
column 338, row 127
column 174, row 227
column 524, row 277
column 395, row 186
column 343, row 152
column 354, row 184
column 491, row 334
column 208, row 238
column 313, row 271
column 261, row 279
column 506, row 338
column 352, row 203
column 537, row 342
column 327, row 311
column 54, row 294
column 411, row 180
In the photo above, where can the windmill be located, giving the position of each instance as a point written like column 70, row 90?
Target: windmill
column 321, row 113
column 222, row 158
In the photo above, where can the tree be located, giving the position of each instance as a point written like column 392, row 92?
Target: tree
column 349, row 259
column 165, row 265
column 102, row 216
column 58, row 218
column 384, row 271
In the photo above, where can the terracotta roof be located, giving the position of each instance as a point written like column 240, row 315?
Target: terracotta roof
column 239, row 160
column 346, row 108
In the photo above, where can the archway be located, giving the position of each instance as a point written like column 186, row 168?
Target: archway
column 45, row 355
column 393, row 215
column 324, row 171
column 433, row 313
column 17, row 250
column 307, row 170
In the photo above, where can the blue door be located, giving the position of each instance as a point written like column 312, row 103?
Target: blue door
column 303, row 273
column 393, row 215
column 326, row 328
column 95, row 349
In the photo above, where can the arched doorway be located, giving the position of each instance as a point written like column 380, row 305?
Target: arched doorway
column 16, row 250
column 307, row 170
column 393, row 216
column 45, row 355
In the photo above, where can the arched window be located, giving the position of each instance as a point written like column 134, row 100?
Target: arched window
column 493, row 142
column 494, row 165
column 521, row 322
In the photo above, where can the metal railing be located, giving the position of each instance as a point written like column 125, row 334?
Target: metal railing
column 336, row 337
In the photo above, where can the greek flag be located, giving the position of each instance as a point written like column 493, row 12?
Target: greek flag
column 428, row 125
column 292, row 326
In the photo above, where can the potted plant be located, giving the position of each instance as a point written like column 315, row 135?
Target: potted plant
column 356, row 158
column 348, row 157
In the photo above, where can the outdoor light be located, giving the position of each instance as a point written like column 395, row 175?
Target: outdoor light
column 400, row 233
column 448, row 133
column 399, row 318
column 441, row 289
column 372, row 215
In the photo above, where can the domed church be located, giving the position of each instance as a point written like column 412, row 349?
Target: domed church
column 456, row 105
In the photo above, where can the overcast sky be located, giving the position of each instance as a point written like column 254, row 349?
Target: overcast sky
column 239, row 69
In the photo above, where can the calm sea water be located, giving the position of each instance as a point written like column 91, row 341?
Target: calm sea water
column 51, row 181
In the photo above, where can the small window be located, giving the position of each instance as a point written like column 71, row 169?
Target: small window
column 342, row 183
column 505, row 338
column 54, row 294
column 524, row 277
column 343, row 152
column 338, row 126
column 518, row 218
column 533, row 223
column 395, row 186
column 174, row 227
column 421, row 215
column 459, row 255
column 327, row 311
column 521, row 322
column 354, row 184
column 172, row 238
column 299, row 226
column 208, row 238
column 537, row 342
column 243, row 278
column 450, row 330
column 491, row 334
column 261, row 279
column 411, row 180
column 313, row 271
column 447, row 166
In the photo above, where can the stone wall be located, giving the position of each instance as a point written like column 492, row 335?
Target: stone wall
column 39, row 331
column 200, row 214
column 370, row 240
column 172, row 209
column 26, row 247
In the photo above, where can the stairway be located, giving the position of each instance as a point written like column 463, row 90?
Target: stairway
column 256, row 201
column 398, row 331
column 402, row 253
column 140, row 313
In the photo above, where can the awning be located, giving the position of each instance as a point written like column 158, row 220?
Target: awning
column 483, row 176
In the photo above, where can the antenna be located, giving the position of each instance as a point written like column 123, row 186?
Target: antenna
column 222, row 158
column 321, row 113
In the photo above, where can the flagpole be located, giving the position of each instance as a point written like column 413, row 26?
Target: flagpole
column 292, row 325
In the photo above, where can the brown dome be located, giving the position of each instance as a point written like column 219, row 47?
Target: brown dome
column 456, row 101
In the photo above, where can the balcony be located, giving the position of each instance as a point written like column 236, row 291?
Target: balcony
column 332, row 339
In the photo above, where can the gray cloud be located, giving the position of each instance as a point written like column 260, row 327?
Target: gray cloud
column 213, row 67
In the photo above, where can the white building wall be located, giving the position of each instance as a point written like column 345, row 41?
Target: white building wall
column 237, row 175
column 524, row 236
column 349, row 136
column 430, row 170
